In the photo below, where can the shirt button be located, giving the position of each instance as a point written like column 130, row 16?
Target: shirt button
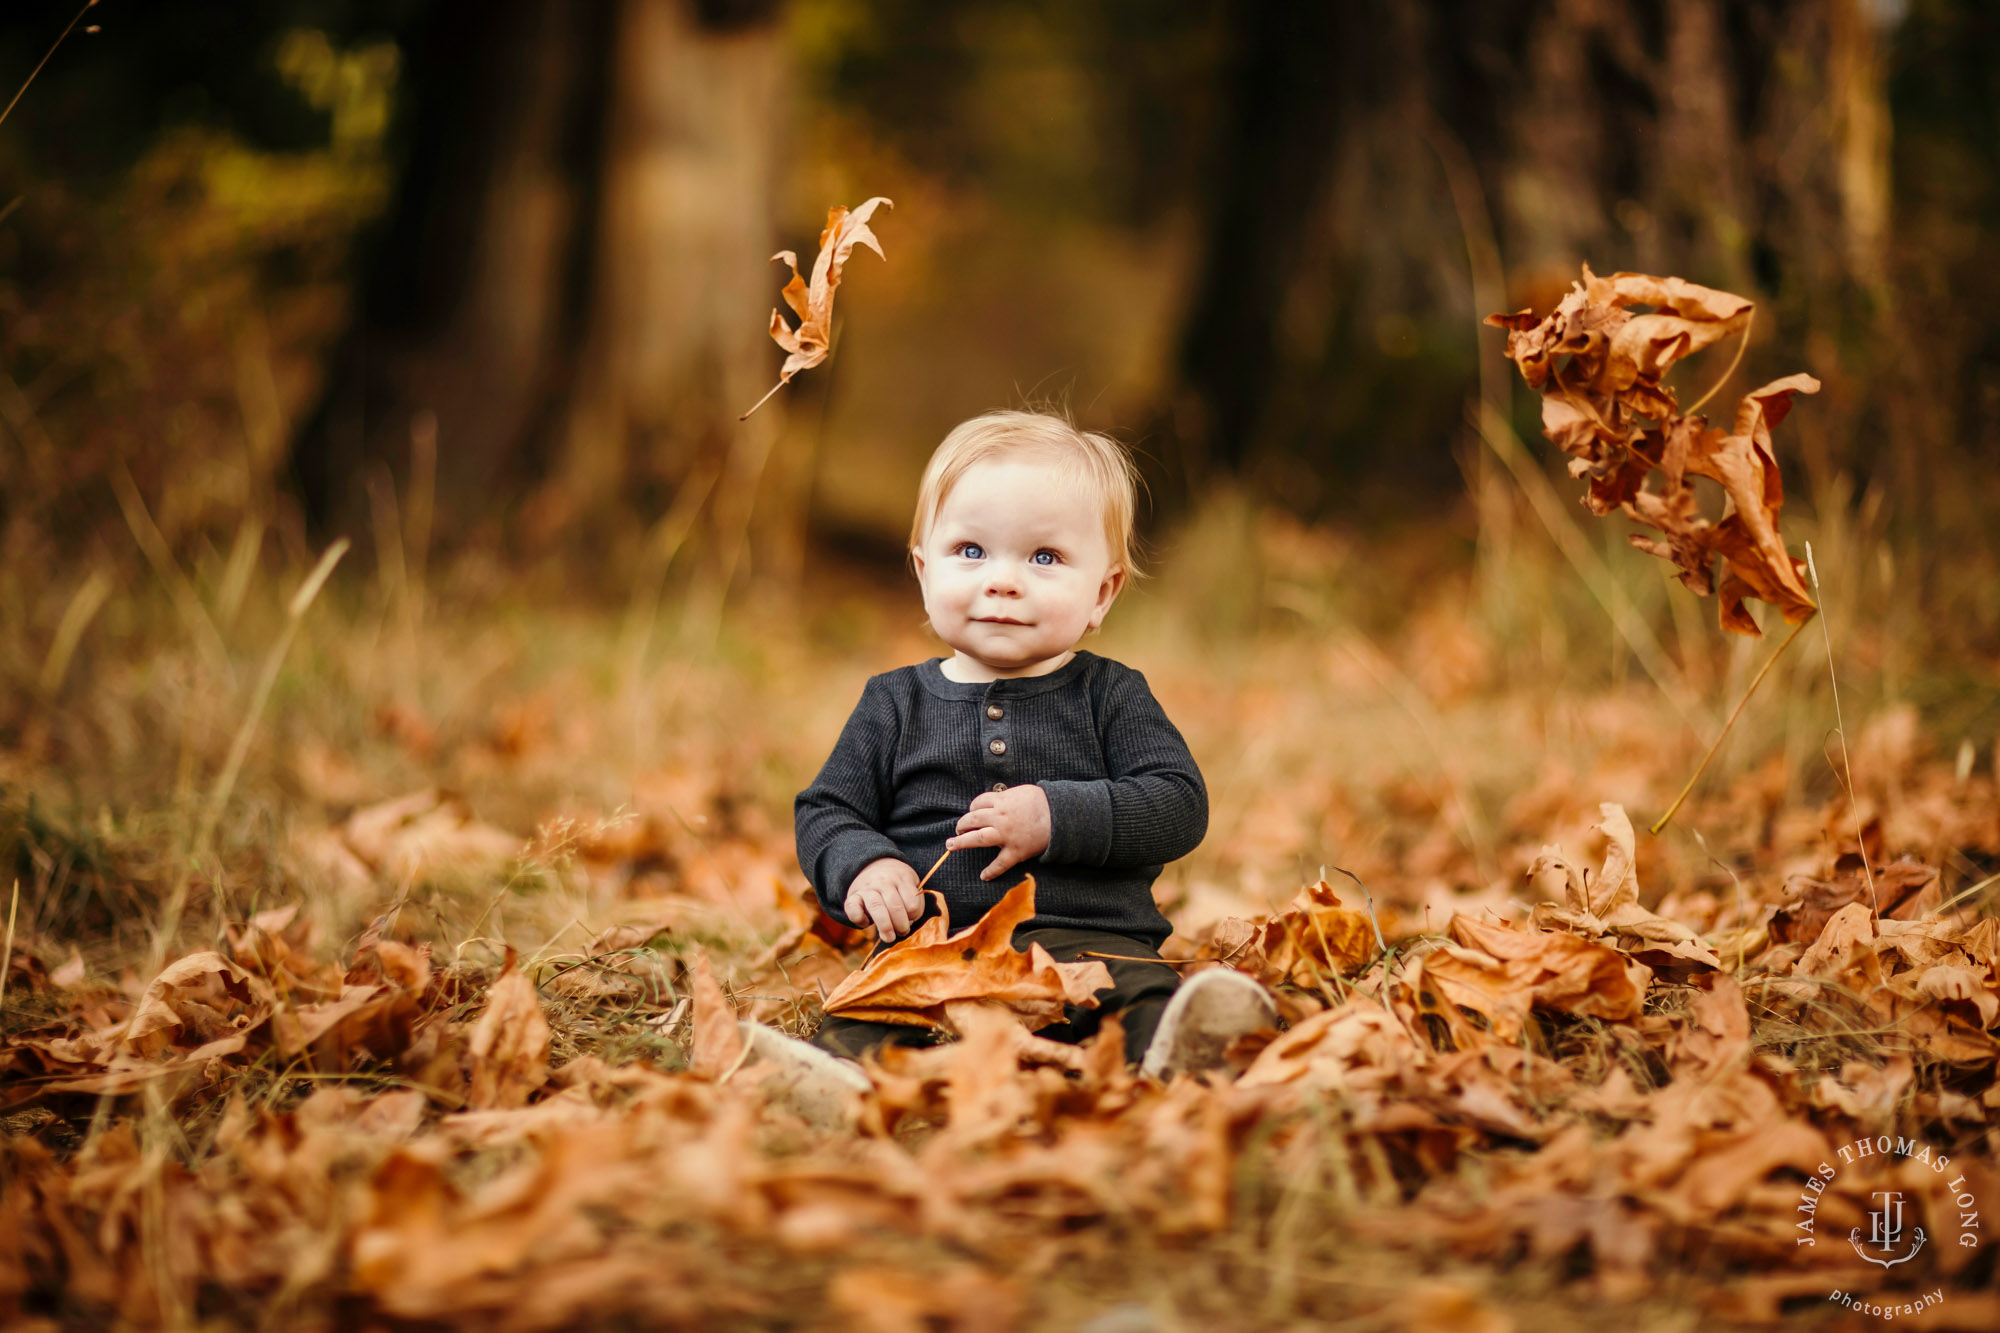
column 994, row 711
column 998, row 747
column 999, row 786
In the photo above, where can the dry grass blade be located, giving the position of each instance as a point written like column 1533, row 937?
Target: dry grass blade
column 83, row 607
column 151, row 541
column 1846, row 765
column 1589, row 565
column 88, row 5
column 239, row 747
column 7, row 953
column 1720, row 736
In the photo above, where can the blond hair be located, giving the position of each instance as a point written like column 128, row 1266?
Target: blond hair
column 1097, row 463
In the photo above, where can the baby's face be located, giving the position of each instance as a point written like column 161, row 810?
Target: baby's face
column 1016, row 567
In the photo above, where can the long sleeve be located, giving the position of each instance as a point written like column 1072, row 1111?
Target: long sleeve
column 838, row 820
column 1151, row 810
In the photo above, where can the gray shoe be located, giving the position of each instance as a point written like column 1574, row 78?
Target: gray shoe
column 822, row 1088
column 1210, row 1010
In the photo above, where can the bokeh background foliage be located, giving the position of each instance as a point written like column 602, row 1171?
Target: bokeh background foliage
column 251, row 246
column 483, row 288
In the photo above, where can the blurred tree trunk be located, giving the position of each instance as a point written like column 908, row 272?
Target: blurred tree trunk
column 466, row 302
column 574, row 271
column 675, row 347
column 1374, row 156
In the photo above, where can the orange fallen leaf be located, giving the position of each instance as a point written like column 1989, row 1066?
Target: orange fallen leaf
column 718, row 1042
column 426, row 832
column 1608, row 909
column 913, row 980
column 1312, row 938
column 510, row 1043
column 809, row 343
column 1503, row 972
column 196, row 999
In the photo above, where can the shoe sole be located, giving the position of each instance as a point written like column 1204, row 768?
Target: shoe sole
column 1201, row 1020
column 820, row 1087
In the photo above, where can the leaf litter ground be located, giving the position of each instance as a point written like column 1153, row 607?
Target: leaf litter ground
column 464, row 1054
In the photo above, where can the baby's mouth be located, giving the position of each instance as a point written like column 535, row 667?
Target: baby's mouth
column 997, row 620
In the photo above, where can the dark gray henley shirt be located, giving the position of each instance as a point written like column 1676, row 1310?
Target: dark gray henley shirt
column 1124, row 794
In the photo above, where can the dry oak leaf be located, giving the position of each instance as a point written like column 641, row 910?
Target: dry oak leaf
column 275, row 945
column 1503, row 972
column 509, row 1048
column 718, row 1041
column 810, row 342
column 195, row 1000
column 1312, row 937
column 1315, row 935
column 427, row 832
column 912, row 981
column 1609, row 908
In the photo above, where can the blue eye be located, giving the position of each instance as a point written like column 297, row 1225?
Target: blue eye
column 1052, row 557
column 971, row 550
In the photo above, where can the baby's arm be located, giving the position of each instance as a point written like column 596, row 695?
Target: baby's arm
column 1151, row 810
column 838, row 819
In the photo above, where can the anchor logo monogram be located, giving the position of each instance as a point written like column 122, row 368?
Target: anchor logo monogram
column 1885, row 1231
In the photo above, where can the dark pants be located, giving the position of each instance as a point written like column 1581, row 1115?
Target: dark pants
column 1138, row 994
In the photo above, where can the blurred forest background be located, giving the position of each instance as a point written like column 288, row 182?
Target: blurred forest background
column 249, row 247
column 484, row 288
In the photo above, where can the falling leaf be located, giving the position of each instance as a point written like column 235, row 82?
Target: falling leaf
column 1599, row 367
column 913, row 980
column 809, row 343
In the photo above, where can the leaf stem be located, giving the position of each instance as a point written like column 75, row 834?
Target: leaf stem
column 1735, row 361
column 765, row 399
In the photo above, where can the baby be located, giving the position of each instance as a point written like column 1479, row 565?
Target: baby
column 1021, row 753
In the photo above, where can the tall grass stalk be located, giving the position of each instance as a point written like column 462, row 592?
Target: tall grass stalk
column 7, row 954
column 239, row 748
column 1590, row 567
column 1840, row 728
column 187, row 603
column 1735, row 713
column 84, row 604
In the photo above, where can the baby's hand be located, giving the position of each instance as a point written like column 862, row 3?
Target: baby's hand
column 885, row 893
column 1016, row 821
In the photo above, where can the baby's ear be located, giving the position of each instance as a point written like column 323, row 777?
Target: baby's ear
column 1107, row 593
